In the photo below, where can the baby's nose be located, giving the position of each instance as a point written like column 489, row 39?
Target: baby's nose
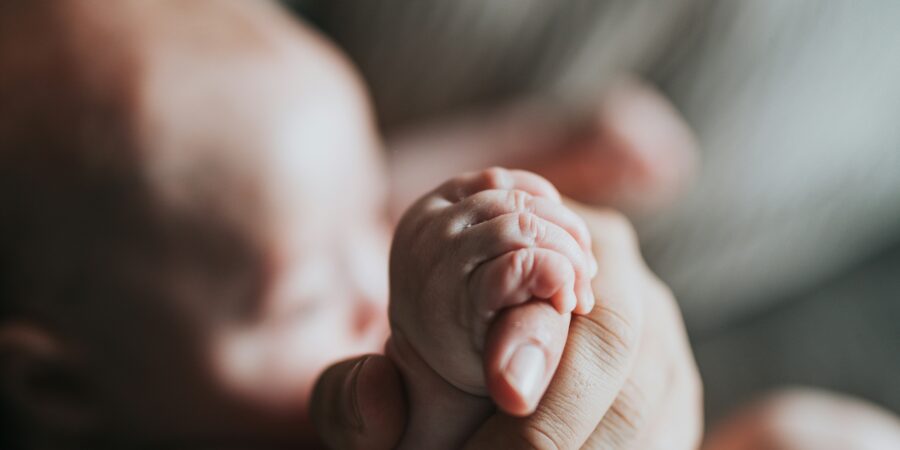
column 370, row 318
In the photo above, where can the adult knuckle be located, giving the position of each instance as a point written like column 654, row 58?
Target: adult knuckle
column 628, row 415
column 634, row 405
column 616, row 336
column 692, row 383
column 660, row 291
column 544, row 436
column 685, row 390
column 610, row 226
column 695, row 426
column 620, row 227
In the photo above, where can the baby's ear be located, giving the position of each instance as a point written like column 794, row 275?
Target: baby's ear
column 43, row 388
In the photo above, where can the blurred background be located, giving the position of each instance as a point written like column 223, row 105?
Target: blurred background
column 784, row 245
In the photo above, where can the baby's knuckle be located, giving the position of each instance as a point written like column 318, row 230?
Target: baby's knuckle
column 495, row 178
column 522, row 264
column 521, row 201
column 529, row 227
column 450, row 189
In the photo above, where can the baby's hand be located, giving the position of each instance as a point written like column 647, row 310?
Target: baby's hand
column 489, row 252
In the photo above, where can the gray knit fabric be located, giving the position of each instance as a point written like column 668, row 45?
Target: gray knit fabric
column 796, row 104
column 797, row 108
column 427, row 58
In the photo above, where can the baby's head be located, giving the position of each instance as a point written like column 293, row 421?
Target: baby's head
column 191, row 230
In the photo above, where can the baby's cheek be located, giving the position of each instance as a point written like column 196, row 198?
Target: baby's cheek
column 277, row 364
column 368, row 262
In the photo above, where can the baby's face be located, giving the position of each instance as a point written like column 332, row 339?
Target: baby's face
column 321, row 238
column 317, row 224
column 273, row 259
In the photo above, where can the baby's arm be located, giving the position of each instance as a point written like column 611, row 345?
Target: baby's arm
column 488, row 258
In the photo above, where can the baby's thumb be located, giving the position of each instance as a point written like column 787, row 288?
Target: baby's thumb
column 360, row 403
column 523, row 348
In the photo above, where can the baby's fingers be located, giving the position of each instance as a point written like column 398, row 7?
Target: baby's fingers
column 522, row 353
column 515, row 278
column 511, row 232
column 489, row 204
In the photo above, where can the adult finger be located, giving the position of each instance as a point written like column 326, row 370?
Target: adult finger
column 599, row 355
column 360, row 404
column 660, row 406
column 524, row 347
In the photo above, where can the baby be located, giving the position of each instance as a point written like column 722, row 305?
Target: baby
column 194, row 229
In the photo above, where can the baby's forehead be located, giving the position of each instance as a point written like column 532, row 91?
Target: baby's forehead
column 201, row 174
column 274, row 143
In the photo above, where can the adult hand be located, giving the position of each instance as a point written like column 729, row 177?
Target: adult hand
column 627, row 378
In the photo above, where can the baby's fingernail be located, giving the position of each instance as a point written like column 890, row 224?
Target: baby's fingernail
column 593, row 263
column 586, row 294
column 525, row 371
column 589, row 302
column 569, row 301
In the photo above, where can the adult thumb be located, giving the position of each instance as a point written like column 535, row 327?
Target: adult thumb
column 360, row 403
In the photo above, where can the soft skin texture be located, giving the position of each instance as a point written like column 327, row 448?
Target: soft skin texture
column 492, row 249
column 626, row 378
